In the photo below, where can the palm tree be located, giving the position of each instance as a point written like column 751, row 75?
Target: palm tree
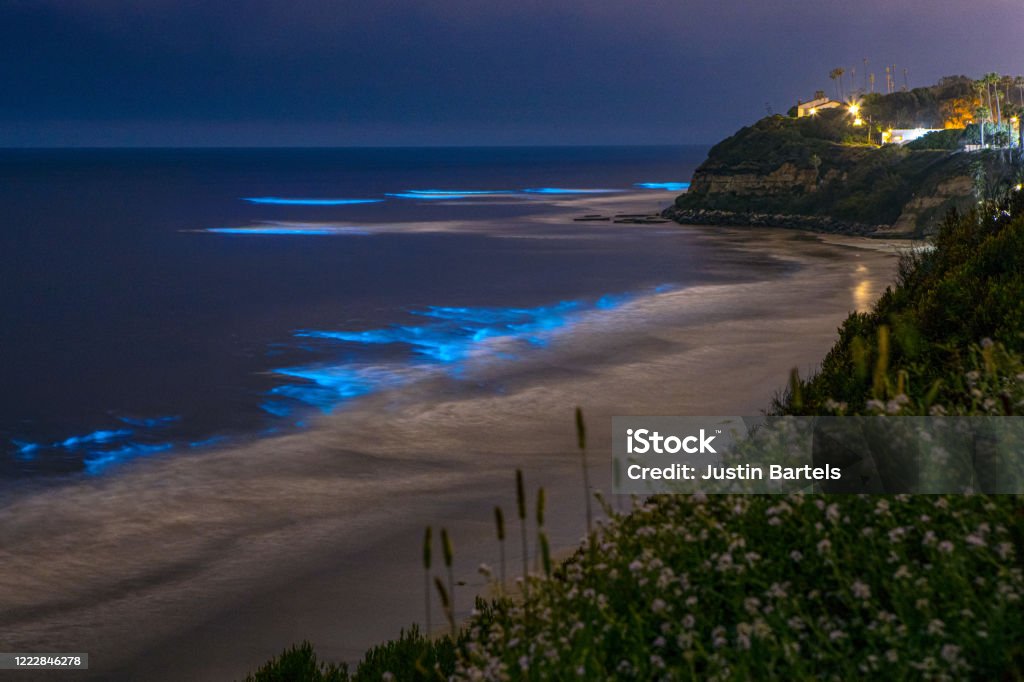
column 1018, row 82
column 837, row 73
column 982, row 113
column 992, row 82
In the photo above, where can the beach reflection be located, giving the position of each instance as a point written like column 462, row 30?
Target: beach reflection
column 864, row 294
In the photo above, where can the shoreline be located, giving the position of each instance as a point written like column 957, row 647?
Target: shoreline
column 317, row 535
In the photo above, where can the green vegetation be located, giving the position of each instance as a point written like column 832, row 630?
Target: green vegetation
column 775, row 140
column 951, row 100
column 758, row 587
column 946, row 339
column 410, row 658
column 946, row 140
column 299, row 663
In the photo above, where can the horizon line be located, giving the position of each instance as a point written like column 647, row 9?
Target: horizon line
column 5, row 148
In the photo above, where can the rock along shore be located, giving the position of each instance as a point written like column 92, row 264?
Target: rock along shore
column 799, row 222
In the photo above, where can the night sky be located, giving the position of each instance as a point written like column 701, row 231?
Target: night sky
column 407, row 72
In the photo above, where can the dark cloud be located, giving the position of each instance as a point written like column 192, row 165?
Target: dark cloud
column 457, row 71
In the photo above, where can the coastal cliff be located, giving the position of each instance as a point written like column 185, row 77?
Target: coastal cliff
column 812, row 173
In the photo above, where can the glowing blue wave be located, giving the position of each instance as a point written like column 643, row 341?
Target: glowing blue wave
column 563, row 190
column 672, row 186
column 149, row 423
column 324, row 387
column 461, row 192
column 413, row 195
column 94, row 437
column 290, row 230
column 449, row 337
column 309, row 202
column 97, row 462
column 103, row 447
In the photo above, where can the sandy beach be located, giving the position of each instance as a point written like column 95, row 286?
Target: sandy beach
column 201, row 566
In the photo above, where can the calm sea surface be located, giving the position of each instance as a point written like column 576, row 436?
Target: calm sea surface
column 155, row 300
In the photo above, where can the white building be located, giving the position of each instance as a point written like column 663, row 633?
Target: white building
column 905, row 135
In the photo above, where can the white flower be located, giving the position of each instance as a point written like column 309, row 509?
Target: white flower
column 860, row 590
column 945, row 546
column 658, row 605
column 824, row 546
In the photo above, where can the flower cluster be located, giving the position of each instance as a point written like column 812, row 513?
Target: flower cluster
column 730, row 587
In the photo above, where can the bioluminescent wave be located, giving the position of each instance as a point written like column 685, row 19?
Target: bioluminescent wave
column 325, row 386
column 99, row 449
column 565, row 190
column 671, row 186
column 413, row 195
column 460, row 192
column 291, row 230
column 450, row 337
column 430, row 194
column 285, row 201
column 150, row 422
column 97, row 462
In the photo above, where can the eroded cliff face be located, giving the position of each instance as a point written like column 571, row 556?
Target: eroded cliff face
column 785, row 197
column 923, row 213
column 787, row 179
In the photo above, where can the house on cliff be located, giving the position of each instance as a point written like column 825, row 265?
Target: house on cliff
column 812, row 107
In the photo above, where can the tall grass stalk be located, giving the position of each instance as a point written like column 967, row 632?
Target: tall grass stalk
column 545, row 553
column 446, row 604
column 499, row 522
column 581, row 440
column 426, row 574
column 540, row 524
column 446, row 548
column 521, row 508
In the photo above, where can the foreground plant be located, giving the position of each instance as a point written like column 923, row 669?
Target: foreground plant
column 754, row 587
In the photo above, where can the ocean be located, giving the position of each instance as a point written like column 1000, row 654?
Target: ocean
column 157, row 300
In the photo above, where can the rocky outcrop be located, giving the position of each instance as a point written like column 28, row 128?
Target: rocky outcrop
column 812, row 175
column 786, row 179
column 798, row 222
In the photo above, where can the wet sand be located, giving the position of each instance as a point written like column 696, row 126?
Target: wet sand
column 202, row 566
